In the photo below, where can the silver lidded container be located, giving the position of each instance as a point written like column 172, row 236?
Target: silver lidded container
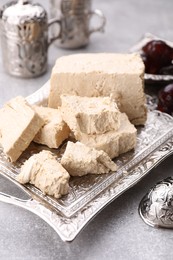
column 24, row 37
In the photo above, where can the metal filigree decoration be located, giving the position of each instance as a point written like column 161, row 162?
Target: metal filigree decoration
column 89, row 194
column 25, row 42
column 156, row 208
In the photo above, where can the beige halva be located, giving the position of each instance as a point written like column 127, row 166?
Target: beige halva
column 88, row 91
column 102, row 74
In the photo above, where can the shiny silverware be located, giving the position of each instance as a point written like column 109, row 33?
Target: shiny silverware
column 75, row 18
column 156, row 207
column 24, row 37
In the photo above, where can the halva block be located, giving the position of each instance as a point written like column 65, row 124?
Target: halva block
column 79, row 160
column 113, row 142
column 46, row 173
column 90, row 115
column 102, row 74
column 54, row 131
column 19, row 123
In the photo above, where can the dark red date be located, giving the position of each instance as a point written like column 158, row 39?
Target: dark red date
column 157, row 57
column 165, row 102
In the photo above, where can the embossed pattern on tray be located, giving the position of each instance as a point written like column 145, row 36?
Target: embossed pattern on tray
column 91, row 193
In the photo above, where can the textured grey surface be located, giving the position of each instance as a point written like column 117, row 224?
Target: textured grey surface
column 117, row 232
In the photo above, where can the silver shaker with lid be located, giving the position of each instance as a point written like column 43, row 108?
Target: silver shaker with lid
column 24, row 37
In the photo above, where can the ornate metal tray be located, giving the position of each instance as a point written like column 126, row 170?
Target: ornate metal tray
column 151, row 78
column 89, row 194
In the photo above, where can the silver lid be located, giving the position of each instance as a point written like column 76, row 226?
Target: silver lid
column 23, row 11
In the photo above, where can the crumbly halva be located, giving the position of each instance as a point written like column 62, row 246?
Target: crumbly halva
column 19, row 123
column 54, row 131
column 46, row 173
column 113, row 143
column 102, row 74
column 90, row 115
column 79, row 160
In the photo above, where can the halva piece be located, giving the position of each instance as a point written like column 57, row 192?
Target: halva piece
column 90, row 115
column 79, row 160
column 19, row 123
column 113, row 143
column 54, row 131
column 102, row 74
column 46, row 173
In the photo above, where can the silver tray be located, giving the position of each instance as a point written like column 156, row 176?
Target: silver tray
column 89, row 194
column 152, row 78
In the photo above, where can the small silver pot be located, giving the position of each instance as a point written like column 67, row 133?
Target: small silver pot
column 75, row 18
column 24, row 37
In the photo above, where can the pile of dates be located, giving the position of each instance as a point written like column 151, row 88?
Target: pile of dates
column 157, row 57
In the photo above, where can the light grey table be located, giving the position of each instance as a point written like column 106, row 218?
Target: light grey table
column 117, row 232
